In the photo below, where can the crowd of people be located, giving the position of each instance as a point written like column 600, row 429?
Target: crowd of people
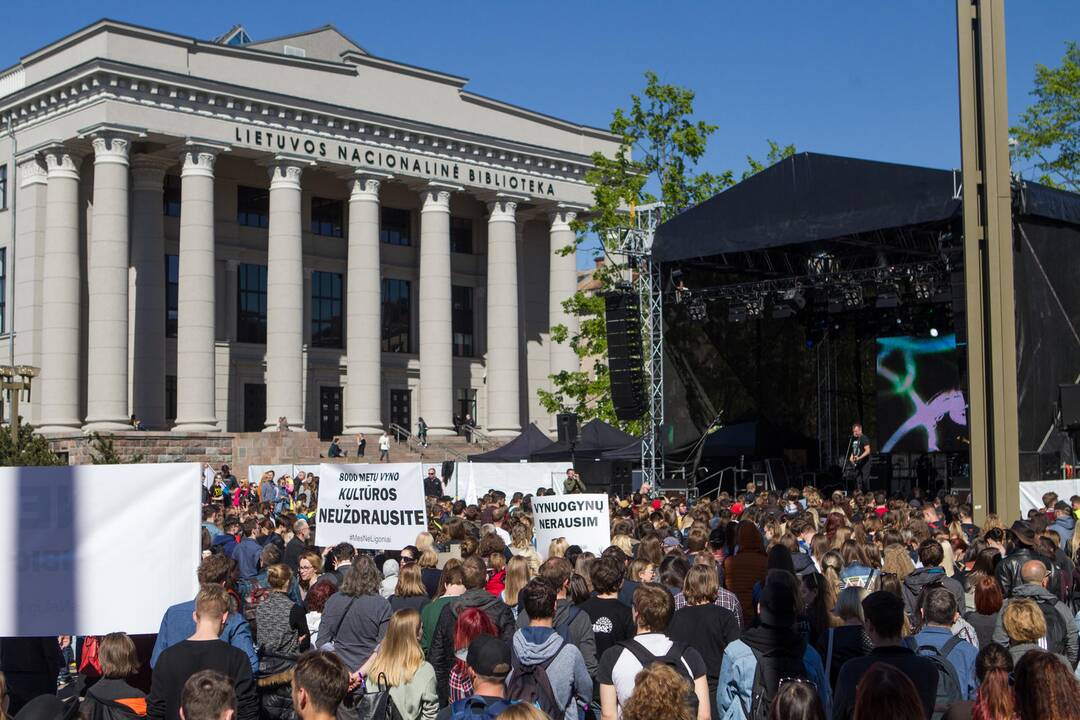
column 758, row 605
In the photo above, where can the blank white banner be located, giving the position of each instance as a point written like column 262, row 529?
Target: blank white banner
column 472, row 481
column 1031, row 494
column 94, row 549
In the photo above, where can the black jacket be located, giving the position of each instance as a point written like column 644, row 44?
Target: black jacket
column 921, row 671
column 1008, row 570
column 275, row 695
column 441, row 652
column 293, row 550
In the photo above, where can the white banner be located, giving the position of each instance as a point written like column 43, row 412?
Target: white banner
column 371, row 507
column 582, row 519
column 472, row 481
column 1031, row 494
column 313, row 469
column 94, row 549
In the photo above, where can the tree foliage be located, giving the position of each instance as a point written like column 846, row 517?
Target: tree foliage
column 1048, row 134
column 662, row 144
column 103, row 452
column 30, row 450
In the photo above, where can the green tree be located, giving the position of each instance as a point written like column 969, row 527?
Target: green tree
column 103, row 452
column 30, row 450
column 1048, row 134
column 661, row 146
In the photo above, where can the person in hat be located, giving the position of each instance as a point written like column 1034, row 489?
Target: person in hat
column 774, row 641
column 488, row 660
column 1019, row 546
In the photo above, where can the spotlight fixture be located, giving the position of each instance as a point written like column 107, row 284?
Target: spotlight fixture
column 696, row 309
column 755, row 306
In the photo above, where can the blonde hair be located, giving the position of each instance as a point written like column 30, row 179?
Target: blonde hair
column 624, row 543
column 1023, row 621
column 425, row 541
column 897, row 561
column 557, row 548
column 429, row 558
column 523, row 711
column 518, row 576
column 948, row 559
column 399, row 655
column 279, row 577
column 410, row 583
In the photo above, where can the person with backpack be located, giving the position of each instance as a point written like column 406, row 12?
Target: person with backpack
column 488, row 660
column 1061, row 630
column 953, row 656
column 771, row 651
column 883, row 614
column 570, row 621
column 398, row 669
column 547, row 669
column 111, row 697
column 653, row 609
column 441, row 652
column 931, row 574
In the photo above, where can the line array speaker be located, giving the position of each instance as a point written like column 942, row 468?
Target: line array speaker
column 622, row 313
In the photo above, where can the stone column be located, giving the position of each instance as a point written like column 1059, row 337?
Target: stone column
column 60, row 314
column 148, row 290
column 196, row 409
column 27, row 295
column 436, row 335
column 503, row 343
column 284, row 300
column 363, row 306
column 107, row 284
column 562, row 284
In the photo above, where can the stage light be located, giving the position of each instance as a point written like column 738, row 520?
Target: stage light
column 697, row 310
column 755, row 307
column 933, row 332
column 736, row 313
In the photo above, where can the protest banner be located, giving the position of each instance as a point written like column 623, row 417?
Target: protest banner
column 371, row 507
column 581, row 519
column 79, row 562
column 472, row 480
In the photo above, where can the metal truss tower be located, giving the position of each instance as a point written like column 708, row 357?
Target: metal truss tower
column 635, row 242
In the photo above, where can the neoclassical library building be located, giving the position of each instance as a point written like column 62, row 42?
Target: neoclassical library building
column 232, row 234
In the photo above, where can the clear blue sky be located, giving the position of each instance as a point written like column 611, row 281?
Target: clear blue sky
column 867, row 79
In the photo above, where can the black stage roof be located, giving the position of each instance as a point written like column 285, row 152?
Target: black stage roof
column 811, row 197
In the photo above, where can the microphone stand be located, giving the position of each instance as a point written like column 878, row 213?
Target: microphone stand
column 847, row 461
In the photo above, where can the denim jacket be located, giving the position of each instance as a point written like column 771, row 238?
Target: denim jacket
column 737, row 680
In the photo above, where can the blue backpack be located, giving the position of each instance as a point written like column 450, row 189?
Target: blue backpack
column 474, row 708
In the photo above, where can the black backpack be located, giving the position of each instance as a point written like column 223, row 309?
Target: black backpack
column 672, row 659
column 770, row 671
column 530, row 684
column 1056, row 631
column 949, row 690
column 371, row 705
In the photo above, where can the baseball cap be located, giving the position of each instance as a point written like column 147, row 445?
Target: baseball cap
column 656, row 504
column 670, row 542
column 489, row 656
column 736, row 508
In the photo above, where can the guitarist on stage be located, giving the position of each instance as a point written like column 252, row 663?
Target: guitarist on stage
column 858, row 460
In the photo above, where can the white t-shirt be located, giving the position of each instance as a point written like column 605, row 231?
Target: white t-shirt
column 619, row 667
column 384, row 442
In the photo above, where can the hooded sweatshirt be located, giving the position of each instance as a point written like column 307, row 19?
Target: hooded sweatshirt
column 576, row 625
column 390, row 570
column 1064, row 526
column 566, row 673
column 746, row 567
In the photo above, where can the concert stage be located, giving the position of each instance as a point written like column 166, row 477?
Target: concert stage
column 826, row 290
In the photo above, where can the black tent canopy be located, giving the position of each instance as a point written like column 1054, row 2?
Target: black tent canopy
column 594, row 439
column 532, row 439
column 809, row 197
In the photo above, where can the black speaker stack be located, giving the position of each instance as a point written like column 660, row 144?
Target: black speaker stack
column 622, row 313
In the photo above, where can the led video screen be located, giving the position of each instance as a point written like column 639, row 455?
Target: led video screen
column 920, row 404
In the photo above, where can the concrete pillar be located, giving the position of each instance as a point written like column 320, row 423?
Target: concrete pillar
column 196, row 409
column 562, row 284
column 504, row 343
column 363, row 306
column 60, row 316
column 107, row 283
column 148, row 290
column 436, row 335
column 284, row 299
column 27, row 292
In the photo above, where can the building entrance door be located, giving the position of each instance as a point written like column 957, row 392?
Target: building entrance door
column 329, row 412
column 254, row 407
column 401, row 408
